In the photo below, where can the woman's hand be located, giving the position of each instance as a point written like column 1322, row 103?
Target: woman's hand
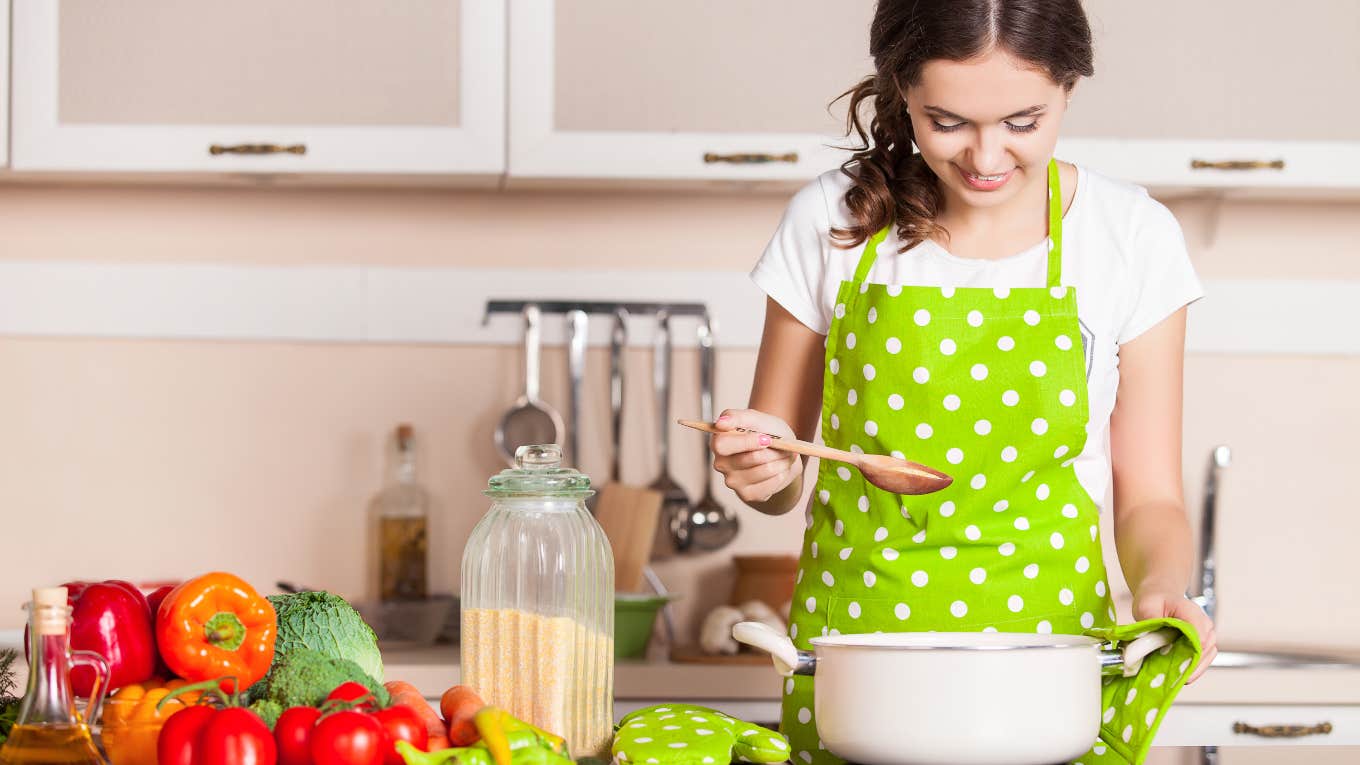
column 1156, row 604
column 751, row 469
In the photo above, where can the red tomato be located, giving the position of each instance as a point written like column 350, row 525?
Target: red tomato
column 236, row 736
column 348, row 738
column 177, row 743
column 293, row 735
column 352, row 691
column 401, row 724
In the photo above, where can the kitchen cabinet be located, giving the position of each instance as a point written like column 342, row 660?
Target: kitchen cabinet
column 306, row 87
column 706, row 90
column 4, row 83
column 1242, row 725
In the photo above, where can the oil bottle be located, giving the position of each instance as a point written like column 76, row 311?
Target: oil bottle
column 49, row 730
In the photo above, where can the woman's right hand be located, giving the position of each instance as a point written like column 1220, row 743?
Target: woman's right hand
column 749, row 467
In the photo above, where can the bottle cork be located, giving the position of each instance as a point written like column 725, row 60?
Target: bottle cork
column 50, row 611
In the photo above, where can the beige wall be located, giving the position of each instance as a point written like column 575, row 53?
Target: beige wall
column 148, row 460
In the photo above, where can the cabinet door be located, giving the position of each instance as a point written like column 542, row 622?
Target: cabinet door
column 1179, row 86
column 4, row 83
column 697, row 90
column 415, row 87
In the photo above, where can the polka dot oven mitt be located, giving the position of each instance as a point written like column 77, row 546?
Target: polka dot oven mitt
column 684, row 734
column 1132, row 708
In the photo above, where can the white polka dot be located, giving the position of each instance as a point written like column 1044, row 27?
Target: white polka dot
column 1184, row 665
column 1038, row 368
column 1032, row 318
column 643, row 740
column 1002, row 292
column 948, row 553
column 947, row 347
column 1025, row 478
column 799, row 578
column 1009, row 454
column 1127, row 734
column 972, row 532
column 1067, row 398
column 1099, row 748
column 990, row 629
column 814, row 549
column 919, row 536
column 1031, row 571
column 1044, row 628
column 881, row 534
column 824, row 496
column 1065, row 596
column 788, row 687
column 920, row 578
column 804, row 715
column 828, row 579
column 978, row 575
column 979, row 372
column 793, row 628
column 921, row 317
column 854, row 610
column 975, row 318
column 1042, row 491
column 1058, row 293
column 1130, row 696
column 947, row 508
column 1010, row 398
column 982, row 427
column 1083, row 565
column 1087, row 620
column 924, row 431
column 872, row 316
column 894, row 345
column 921, row 375
column 1063, row 342
column 895, row 402
column 1015, row 603
column 1151, row 717
column 851, row 397
column 959, row 609
column 1006, row 343
column 807, row 756
column 839, row 528
column 954, row 456
column 811, row 605
column 901, row 611
column 850, row 340
column 835, row 365
column 1039, row 426
column 846, row 553
column 1056, row 539
column 1158, row 680
column 835, row 422
column 843, row 473
column 1069, row 511
column 1060, row 451
column 840, row 310
column 1108, row 715
column 869, row 371
column 1100, row 587
column 894, row 290
column 889, row 553
column 1007, row 549
column 1022, row 523
column 952, row 402
column 978, row 481
column 1094, row 533
column 869, row 578
column 1001, row 506
column 906, row 512
column 862, row 503
column 870, row 428
column 670, row 727
column 947, row 292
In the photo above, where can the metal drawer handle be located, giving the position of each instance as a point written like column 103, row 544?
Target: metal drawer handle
column 751, row 159
column 1237, row 164
column 257, row 148
column 1283, row 731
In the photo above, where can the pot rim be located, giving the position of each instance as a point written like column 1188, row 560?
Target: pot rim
column 954, row 641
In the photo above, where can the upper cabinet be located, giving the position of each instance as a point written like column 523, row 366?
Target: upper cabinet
column 695, row 90
column 1221, row 94
column 414, row 88
column 4, row 83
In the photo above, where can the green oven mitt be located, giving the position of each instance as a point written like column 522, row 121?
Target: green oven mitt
column 1132, row 708
column 684, row 734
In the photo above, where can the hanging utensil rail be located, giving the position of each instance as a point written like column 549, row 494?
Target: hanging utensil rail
column 595, row 307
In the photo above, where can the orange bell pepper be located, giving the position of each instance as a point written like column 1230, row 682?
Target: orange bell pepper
column 132, row 721
column 216, row 625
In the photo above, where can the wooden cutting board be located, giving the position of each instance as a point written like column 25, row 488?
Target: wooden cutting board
column 691, row 654
column 629, row 515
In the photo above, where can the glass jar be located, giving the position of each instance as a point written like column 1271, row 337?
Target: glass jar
column 538, row 603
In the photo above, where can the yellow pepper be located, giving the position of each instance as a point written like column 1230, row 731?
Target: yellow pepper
column 131, row 721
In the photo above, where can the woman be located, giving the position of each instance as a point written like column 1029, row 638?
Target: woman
column 979, row 307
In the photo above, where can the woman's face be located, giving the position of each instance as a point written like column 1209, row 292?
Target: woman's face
column 987, row 127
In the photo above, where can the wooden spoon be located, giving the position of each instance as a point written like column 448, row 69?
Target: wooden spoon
column 888, row 473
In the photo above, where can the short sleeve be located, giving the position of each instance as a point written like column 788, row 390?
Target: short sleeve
column 1161, row 277
column 792, row 270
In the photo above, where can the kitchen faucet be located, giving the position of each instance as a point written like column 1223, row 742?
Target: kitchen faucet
column 1219, row 459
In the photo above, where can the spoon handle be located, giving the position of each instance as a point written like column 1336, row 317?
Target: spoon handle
column 784, row 444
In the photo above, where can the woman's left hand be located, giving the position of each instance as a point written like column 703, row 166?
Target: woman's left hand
column 1155, row 605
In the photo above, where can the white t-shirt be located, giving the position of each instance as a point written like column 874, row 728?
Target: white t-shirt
column 1122, row 250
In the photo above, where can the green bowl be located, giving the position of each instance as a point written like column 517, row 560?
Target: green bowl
column 634, row 616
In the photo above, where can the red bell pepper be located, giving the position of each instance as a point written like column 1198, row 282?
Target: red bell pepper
column 112, row 619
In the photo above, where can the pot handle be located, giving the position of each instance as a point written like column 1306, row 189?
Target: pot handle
column 788, row 660
column 1127, row 659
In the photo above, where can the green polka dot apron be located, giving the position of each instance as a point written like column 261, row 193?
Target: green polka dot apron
column 989, row 385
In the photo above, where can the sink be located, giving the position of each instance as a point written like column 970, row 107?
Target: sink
column 1278, row 658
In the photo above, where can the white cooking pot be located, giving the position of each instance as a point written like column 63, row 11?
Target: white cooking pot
column 955, row 698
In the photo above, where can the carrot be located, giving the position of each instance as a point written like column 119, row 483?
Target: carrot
column 437, row 743
column 460, row 705
column 405, row 694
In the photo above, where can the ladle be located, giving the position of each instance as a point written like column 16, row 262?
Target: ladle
column 888, row 473
column 714, row 526
column 529, row 420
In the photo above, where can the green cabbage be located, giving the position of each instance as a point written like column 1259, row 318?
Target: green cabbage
column 327, row 624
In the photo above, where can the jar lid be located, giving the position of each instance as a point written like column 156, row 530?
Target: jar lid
column 538, row 472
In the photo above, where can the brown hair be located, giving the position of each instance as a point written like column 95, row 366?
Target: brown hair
column 891, row 183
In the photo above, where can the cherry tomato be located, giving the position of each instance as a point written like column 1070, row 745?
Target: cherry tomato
column 352, row 691
column 348, row 738
column 293, row 735
column 401, row 724
column 177, row 743
column 236, row 736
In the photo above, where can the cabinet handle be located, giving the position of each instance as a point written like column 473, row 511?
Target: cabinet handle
column 1237, row 164
column 1283, row 731
column 257, row 148
column 751, row 159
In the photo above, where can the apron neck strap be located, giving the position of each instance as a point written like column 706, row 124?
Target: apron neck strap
column 1055, row 220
